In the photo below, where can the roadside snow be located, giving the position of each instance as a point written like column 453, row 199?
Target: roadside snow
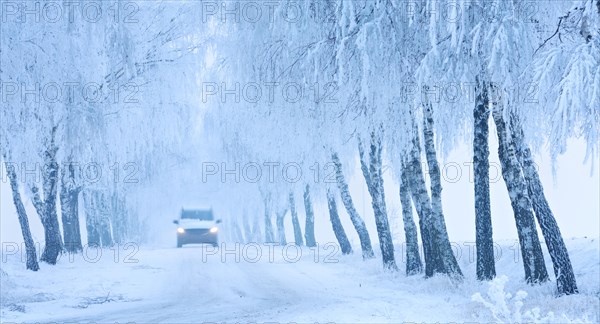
column 193, row 284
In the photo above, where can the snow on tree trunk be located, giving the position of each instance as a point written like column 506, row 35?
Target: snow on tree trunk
column 448, row 260
column 531, row 250
column 105, row 227
column 256, row 234
column 93, row 234
column 119, row 218
column 373, row 176
column 439, row 257
column 236, row 233
column 309, row 228
column 281, row 227
column 420, row 198
column 481, row 167
column 357, row 221
column 413, row 259
column 246, row 226
column 295, row 223
column 432, row 162
column 97, row 220
column 46, row 208
column 69, row 204
column 269, row 235
column 563, row 270
column 336, row 224
column 31, row 253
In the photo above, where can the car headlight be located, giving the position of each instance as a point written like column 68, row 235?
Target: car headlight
column 180, row 230
column 214, row 229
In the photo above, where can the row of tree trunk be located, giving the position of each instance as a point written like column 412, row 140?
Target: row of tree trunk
column 309, row 227
column 106, row 214
column 526, row 195
column 522, row 182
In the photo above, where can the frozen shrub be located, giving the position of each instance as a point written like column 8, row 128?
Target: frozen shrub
column 506, row 308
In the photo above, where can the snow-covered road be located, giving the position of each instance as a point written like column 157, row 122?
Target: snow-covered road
column 193, row 284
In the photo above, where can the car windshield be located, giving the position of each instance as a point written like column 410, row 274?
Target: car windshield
column 205, row 215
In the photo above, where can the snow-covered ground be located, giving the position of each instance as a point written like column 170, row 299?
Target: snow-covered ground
column 193, row 284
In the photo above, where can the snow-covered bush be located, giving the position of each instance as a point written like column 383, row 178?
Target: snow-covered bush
column 506, row 308
column 6, row 285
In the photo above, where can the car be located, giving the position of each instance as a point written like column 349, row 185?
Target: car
column 197, row 226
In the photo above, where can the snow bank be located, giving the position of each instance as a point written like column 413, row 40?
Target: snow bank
column 190, row 285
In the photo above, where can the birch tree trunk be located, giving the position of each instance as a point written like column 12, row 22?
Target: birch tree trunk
column 373, row 176
column 98, row 218
column 449, row 263
column 295, row 223
column 420, row 198
column 413, row 259
column 247, row 229
column 439, row 257
column 432, row 162
column 31, row 254
column 563, row 270
column 46, row 208
column 357, row 221
column 119, row 218
column 104, row 223
column 93, row 233
column 256, row 234
column 269, row 235
column 309, row 228
column 69, row 203
column 238, row 236
column 486, row 269
column 281, row 227
column 336, row 224
column 531, row 250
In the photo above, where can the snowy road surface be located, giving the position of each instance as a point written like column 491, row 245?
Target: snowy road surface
column 192, row 285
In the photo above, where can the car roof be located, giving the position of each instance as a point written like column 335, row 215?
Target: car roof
column 201, row 214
